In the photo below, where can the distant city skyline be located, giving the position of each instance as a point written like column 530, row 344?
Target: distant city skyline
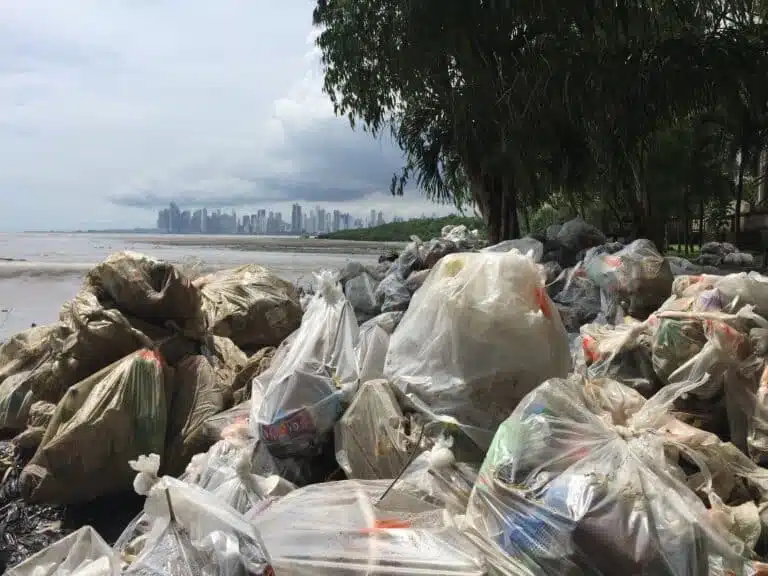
column 315, row 220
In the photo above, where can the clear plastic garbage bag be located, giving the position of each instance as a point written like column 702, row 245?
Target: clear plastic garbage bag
column 437, row 478
column 243, row 490
column 637, row 279
column 336, row 529
column 212, row 468
column 186, row 530
column 101, row 423
column 479, row 335
column 743, row 289
column 82, row 553
column 373, row 438
column 577, row 481
column 621, row 352
column 304, row 389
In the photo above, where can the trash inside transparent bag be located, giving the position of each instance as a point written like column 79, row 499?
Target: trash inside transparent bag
column 577, row 481
column 479, row 334
column 82, row 553
column 303, row 390
column 638, row 277
column 335, row 528
column 621, row 352
column 437, row 478
column 197, row 534
column 373, row 438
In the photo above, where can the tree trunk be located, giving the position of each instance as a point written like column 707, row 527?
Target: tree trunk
column 685, row 220
column 739, row 196
column 494, row 213
column 701, row 223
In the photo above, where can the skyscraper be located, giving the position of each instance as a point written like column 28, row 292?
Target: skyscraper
column 297, row 219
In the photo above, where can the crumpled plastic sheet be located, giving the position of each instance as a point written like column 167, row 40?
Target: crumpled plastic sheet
column 81, row 553
column 478, row 336
column 577, row 481
column 336, row 529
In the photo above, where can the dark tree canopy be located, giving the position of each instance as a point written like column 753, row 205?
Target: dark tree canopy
column 640, row 112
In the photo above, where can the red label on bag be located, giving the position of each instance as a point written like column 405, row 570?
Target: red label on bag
column 297, row 424
column 543, row 301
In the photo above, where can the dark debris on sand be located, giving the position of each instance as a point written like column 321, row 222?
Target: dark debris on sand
column 28, row 528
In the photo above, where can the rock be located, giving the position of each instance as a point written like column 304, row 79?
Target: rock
column 392, row 295
column 438, row 248
column 576, row 235
column 361, row 294
column 710, row 259
column 552, row 232
column 416, row 279
column 552, row 271
column 388, row 321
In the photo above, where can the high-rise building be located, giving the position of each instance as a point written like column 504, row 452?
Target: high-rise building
column 336, row 221
column 380, row 219
column 297, row 219
column 321, row 220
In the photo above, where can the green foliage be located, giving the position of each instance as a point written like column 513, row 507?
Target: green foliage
column 424, row 228
column 630, row 113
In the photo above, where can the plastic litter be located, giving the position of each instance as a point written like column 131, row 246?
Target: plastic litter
column 637, row 279
column 305, row 389
column 82, row 553
column 186, row 530
column 335, row 529
column 451, row 354
column 577, row 481
column 118, row 413
column 373, row 437
column 250, row 305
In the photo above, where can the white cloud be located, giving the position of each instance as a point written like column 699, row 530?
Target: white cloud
column 105, row 98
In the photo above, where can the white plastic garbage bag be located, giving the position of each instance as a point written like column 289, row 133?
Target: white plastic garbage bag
column 372, row 352
column 479, row 335
column 186, row 530
column 304, row 390
column 82, row 553
column 335, row 529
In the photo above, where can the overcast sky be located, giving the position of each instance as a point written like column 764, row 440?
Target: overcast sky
column 111, row 108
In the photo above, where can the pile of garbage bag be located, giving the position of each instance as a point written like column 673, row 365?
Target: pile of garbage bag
column 550, row 405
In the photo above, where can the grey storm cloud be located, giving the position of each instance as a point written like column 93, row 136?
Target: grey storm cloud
column 265, row 190
column 333, row 164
